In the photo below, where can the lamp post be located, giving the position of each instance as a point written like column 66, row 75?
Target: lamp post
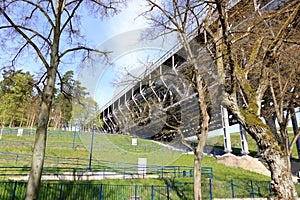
column 91, row 149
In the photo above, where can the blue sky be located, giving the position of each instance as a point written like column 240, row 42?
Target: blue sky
column 100, row 33
column 96, row 32
column 120, row 34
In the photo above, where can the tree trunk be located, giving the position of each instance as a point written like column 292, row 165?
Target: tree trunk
column 21, row 122
column 202, row 135
column 197, row 173
column 38, row 155
column 204, row 118
column 272, row 154
column 295, row 130
column 32, row 121
column 28, row 120
column 11, row 123
column 282, row 183
column 278, row 163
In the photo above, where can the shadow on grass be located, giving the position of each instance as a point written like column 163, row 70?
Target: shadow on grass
column 219, row 150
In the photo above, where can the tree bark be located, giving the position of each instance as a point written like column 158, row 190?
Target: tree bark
column 21, row 122
column 198, row 155
column 272, row 154
column 277, row 161
column 202, row 136
column 28, row 120
column 274, row 151
column 204, row 119
column 11, row 123
column 32, row 121
column 38, row 155
column 39, row 150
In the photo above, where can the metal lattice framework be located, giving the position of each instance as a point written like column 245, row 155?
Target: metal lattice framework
column 163, row 99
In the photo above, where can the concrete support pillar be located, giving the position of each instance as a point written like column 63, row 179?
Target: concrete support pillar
column 126, row 103
column 225, row 123
column 105, row 120
column 295, row 129
column 113, row 112
column 154, row 92
column 123, row 120
column 134, row 100
column 173, row 62
column 244, row 142
column 110, row 116
column 142, row 93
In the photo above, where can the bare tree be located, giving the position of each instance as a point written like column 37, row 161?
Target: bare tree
column 46, row 31
column 183, row 17
column 255, row 50
column 258, row 67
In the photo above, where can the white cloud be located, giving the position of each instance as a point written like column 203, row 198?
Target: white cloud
column 97, row 31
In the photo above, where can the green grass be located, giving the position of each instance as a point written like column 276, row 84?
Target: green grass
column 59, row 145
column 221, row 171
column 57, row 142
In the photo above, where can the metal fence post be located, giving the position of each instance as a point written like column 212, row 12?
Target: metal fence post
column 91, row 149
column 168, row 191
column 210, row 189
column 174, row 172
column 14, row 191
column 61, row 191
column 100, row 192
column 232, row 188
column 252, row 189
column 152, row 192
column 135, row 191
column 191, row 173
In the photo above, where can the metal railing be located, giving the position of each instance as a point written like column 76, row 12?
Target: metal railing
column 170, row 190
column 105, row 172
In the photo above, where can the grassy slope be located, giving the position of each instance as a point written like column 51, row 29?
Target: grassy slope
column 65, row 139
column 60, row 144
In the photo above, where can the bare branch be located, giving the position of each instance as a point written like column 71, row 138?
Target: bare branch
column 255, row 52
column 41, row 80
column 293, row 142
column 52, row 6
column 36, row 33
column 166, row 14
column 70, row 17
column 291, row 41
column 277, row 107
column 79, row 48
column 20, row 50
column 187, row 8
column 184, row 142
column 42, row 10
column 109, row 6
column 281, row 33
column 35, row 47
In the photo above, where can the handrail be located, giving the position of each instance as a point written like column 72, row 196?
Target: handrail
column 158, row 171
